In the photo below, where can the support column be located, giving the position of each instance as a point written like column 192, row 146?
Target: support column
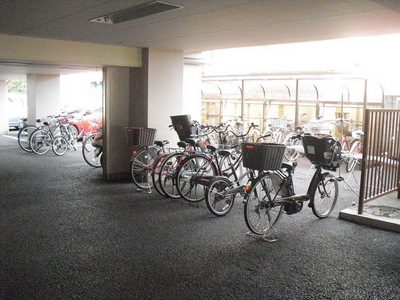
column 165, row 91
column 140, row 97
column 3, row 108
column 43, row 96
column 115, row 119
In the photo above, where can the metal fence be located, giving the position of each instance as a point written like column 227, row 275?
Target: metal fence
column 380, row 169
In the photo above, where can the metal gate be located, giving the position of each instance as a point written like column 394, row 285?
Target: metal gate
column 380, row 169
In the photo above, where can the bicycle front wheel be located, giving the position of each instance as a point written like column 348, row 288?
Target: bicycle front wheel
column 324, row 196
column 91, row 154
column 167, row 178
column 141, row 168
column 193, row 175
column 218, row 199
column 156, row 173
column 59, row 146
column 261, row 213
column 40, row 141
column 24, row 135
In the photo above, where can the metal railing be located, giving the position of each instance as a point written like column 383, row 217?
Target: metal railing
column 380, row 168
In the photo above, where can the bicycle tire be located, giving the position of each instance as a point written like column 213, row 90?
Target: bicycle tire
column 156, row 173
column 167, row 179
column 90, row 153
column 191, row 175
column 59, row 146
column 351, row 161
column 40, row 141
column 24, row 135
column 142, row 166
column 324, row 196
column 217, row 200
column 260, row 213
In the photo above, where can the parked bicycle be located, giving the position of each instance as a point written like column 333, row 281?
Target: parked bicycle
column 271, row 191
column 24, row 134
column 51, row 135
column 195, row 171
column 92, row 148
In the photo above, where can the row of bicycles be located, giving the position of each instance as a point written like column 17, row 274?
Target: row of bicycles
column 281, row 131
column 219, row 164
column 56, row 133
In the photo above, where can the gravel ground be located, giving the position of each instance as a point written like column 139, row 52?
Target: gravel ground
column 67, row 234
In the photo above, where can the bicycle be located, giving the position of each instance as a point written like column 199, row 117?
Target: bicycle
column 92, row 150
column 142, row 164
column 42, row 139
column 195, row 171
column 273, row 191
column 164, row 179
column 164, row 172
column 25, row 133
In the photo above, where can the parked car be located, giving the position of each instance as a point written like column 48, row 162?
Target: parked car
column 84, row 120
column 16, row 112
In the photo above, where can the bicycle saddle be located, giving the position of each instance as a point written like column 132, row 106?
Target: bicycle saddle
column 161, row 143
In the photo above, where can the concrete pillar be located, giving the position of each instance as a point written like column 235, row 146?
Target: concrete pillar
column 43, row 96
column 116, row 118
column 3, row 108
column 140, row 97
column 165, row 91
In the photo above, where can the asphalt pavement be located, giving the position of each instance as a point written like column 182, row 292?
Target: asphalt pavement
column 67, row 234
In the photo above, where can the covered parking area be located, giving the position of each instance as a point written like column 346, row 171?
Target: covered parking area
column 151, row 61
column 66, row 233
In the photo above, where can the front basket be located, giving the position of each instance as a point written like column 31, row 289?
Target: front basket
column 263, row 156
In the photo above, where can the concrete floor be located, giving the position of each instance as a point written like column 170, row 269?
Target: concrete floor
column 67, row 234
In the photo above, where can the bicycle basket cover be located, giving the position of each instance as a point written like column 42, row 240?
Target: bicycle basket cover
column 325, row 151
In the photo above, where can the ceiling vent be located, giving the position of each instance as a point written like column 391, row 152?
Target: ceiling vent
column 136, row 12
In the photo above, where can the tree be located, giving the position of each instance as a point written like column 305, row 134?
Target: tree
column 16, row 86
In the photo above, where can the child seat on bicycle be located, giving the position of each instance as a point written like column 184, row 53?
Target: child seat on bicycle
column 325, row 151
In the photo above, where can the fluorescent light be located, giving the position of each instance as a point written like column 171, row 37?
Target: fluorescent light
column 136, row 12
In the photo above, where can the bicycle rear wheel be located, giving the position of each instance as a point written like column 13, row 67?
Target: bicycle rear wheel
column 91, row 154
column 260, row 212
column 40, row 141
column 218, row 200
column 60, row 146
column 24, row 135
column 193, row 175
column 324, row 196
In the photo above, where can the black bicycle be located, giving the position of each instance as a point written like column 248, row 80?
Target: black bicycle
column 272, row 192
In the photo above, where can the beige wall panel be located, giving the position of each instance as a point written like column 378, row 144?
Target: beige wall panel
column 66, row 52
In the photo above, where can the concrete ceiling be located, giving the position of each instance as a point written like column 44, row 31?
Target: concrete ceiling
column 202, row 24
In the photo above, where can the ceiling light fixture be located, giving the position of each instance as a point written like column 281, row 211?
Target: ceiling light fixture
column 136, row 12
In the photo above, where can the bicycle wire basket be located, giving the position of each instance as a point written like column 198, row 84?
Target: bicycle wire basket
column 263, row 156
column 140, row 136
column 325, row 151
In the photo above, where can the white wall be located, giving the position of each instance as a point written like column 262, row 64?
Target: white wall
column 43, row 96
column 3, row 108
column 165, row 89
column 192, row 91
